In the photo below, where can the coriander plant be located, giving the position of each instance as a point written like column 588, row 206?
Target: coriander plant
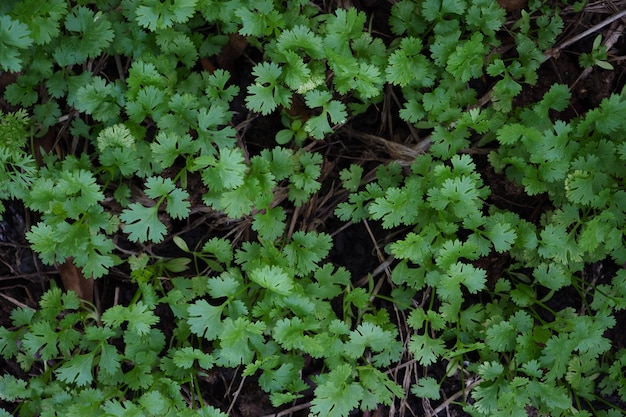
column 123, row 121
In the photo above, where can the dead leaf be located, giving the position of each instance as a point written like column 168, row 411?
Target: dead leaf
column 510, row 5
column 74, row 280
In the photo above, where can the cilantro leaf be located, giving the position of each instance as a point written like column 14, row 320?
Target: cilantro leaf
column 426, row 349
column 552, row 276
column 154, row 14
column 222, row 249
column 237, row 339
column 168, row 146
column 398, row 206
column 261, row 21
column 306, row 250
column 12, row 388
column 351, row 177
column 266, row 94
column 271, row 224
column 226, row 285
column 502, row 235
column 408, row 65
column 187, row 356
column 14, row 35
column 78, row 369
column 466, row 61
column 337, row 395
column 274, row 278
column 318, row 126
column 226, row 172
column 436, row 9
column 427, row 387
column 205, row 320
column 142, row 223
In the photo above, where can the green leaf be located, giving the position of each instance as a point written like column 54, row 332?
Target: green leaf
column 91, row 33
column 328, row 284
column 582, row 186
column 261, row 21
column 274, row 278
column 153, row 14
column 490, row 370
column 154, row 402
column 41, row 340
column 466, row 62
column 275, row 380
column 351, row 177
column 218, row 88
column 379, row 388
column 290, row 333
column 150, row 102
column 282, row 162
column 304, row 181
column 318, row 126
column 502, row 235
column 503, row 93
column 12, row 388
column 271, row 224
column 78, row 369
column 405, row 17
column 486, row 16
column 459, row 195
column 226, row 285
column 22, row 316
column 557, row 98
column 44, row 19
column 552, row 276
column 141, row 318
column 187, row 356
column 221, row 248
column 436, row 9
column 501, row 337
column 266, row 94
column 227, row 172
column 14, row 35
column 337, row 395
column 100, row 99
column 114, row 407
column 8, row 342
column 415, row 247
column 427, row 387
column 116, row 148
column 557, row 244
column 142, row 223
column 237, row 338
column 301, row 38
column 306, row 250
column 177, row 203
column 407, row 65
column 382, row 342
column 398, row 206
column 556, row 354
column 110, row 361
column 168, row 146
column 426, row 349
column 205, row 320
column 178, row 45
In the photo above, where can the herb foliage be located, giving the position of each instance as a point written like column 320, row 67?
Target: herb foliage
column 274, row 300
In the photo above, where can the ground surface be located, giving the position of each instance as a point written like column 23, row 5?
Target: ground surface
column 374, row 138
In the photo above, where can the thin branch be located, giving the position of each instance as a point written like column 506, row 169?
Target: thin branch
column 556, row 50
column 456, row 395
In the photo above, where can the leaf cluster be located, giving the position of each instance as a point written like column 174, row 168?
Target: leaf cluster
column 123, row 81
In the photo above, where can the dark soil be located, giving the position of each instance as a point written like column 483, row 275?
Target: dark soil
column 358, row 247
